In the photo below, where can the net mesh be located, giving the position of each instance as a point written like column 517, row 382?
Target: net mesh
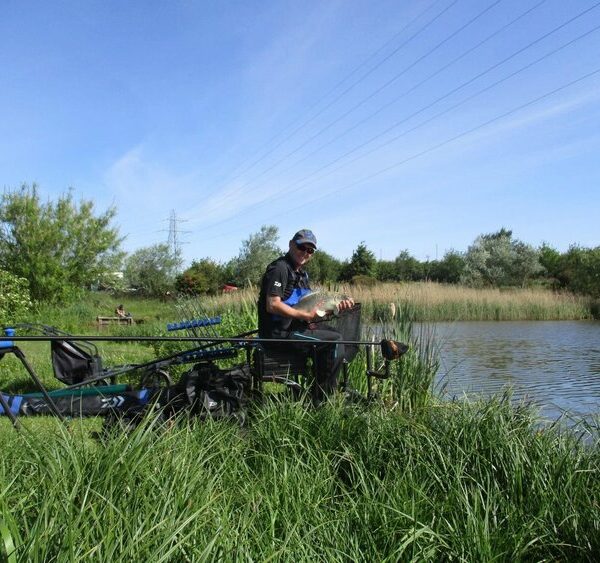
column 347, row 323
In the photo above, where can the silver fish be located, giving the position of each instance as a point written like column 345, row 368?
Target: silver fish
column 325, row 303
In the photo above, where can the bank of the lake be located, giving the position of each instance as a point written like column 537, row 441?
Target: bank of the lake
column 459, row 482
column 408, row 478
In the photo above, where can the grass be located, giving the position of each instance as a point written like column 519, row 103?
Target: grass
column 465, row 482
column 406, row 479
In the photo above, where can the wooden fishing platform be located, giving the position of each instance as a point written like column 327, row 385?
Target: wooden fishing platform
column 103, row 321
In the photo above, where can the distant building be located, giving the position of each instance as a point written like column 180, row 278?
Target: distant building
column 228, row 288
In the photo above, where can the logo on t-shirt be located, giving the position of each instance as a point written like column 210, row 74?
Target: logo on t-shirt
column 277, row 284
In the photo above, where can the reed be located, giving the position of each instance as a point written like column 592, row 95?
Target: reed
column 429, row 301
column 437, row 302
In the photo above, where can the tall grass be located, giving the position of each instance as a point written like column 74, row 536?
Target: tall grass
column 469, row 483
column 426, row 301
column 438, row 302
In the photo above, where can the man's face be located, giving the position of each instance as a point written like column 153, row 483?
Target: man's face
column 301, row 253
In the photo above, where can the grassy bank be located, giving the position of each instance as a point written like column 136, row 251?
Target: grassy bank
column 407, row 479
column 467, row 483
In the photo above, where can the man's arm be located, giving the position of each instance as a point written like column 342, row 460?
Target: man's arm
column 276, row 306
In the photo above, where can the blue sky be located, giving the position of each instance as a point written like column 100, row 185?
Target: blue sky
column 411, row 125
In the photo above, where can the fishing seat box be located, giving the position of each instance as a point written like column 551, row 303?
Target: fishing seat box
column 271, row 364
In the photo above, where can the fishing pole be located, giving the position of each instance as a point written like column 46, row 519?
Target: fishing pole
column 207, row 339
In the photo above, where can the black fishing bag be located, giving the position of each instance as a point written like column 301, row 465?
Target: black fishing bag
column 212, row 392
column 206, row 391
column 73, row 364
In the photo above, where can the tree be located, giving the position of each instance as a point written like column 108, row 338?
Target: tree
column 450, row 269
column 323, row 267
column 362, row 263
column 386, row 271
column 60, row 247
column 152, row 269
column 497, row 259
column 256, row 253
column 408, row 268
column 552, row 262
column 203, row 277
column 580, row 270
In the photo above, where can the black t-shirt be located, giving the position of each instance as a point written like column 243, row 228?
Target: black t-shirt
column 280, row 280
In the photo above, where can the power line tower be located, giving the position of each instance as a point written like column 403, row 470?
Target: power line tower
column 174, row 241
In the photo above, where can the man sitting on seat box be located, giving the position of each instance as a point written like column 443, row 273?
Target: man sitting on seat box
column 283, row 284
column 121, row 313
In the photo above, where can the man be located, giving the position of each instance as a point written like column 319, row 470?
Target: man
column 120, row 312
column 282, row 286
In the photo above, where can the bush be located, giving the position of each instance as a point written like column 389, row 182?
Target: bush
column 60, row 246
column 15, row 300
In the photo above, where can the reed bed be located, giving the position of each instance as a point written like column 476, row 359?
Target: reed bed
column 437, row 302
column 429, row 301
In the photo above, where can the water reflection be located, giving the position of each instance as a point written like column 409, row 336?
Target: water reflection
column 554, row 364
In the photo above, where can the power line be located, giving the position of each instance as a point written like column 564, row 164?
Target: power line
column 452, row 139
column 446, row 141
column 454, row 90
column 448, row 94
column 414, row 87
column 349, row 88
column 366, row 99
column 440, row 144
column 439, row 114
column 337, row 85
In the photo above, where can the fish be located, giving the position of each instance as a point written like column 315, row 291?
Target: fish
column 325, row 302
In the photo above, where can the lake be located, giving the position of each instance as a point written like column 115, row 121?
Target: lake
column 556, row 365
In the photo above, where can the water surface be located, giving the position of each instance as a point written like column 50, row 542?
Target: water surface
column 554, row 364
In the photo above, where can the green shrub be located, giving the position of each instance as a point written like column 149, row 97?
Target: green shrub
column 15, row 301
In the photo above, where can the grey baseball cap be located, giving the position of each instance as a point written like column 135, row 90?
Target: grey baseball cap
column 305, row 236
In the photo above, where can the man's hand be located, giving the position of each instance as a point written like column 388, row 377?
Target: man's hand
column 346, row 303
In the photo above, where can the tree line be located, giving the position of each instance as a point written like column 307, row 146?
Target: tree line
column 52, row 250
column 493, row 260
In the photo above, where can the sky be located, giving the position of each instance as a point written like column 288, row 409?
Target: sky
column 414, row 125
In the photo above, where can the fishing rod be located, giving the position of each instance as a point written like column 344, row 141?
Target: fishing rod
column 390, row 350
column 208, row 339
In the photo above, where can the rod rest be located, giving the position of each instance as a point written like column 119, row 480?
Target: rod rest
column 381, row 375
column 194, row 323
column 219, row 353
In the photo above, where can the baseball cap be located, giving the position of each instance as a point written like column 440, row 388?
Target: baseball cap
column 305, row 236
